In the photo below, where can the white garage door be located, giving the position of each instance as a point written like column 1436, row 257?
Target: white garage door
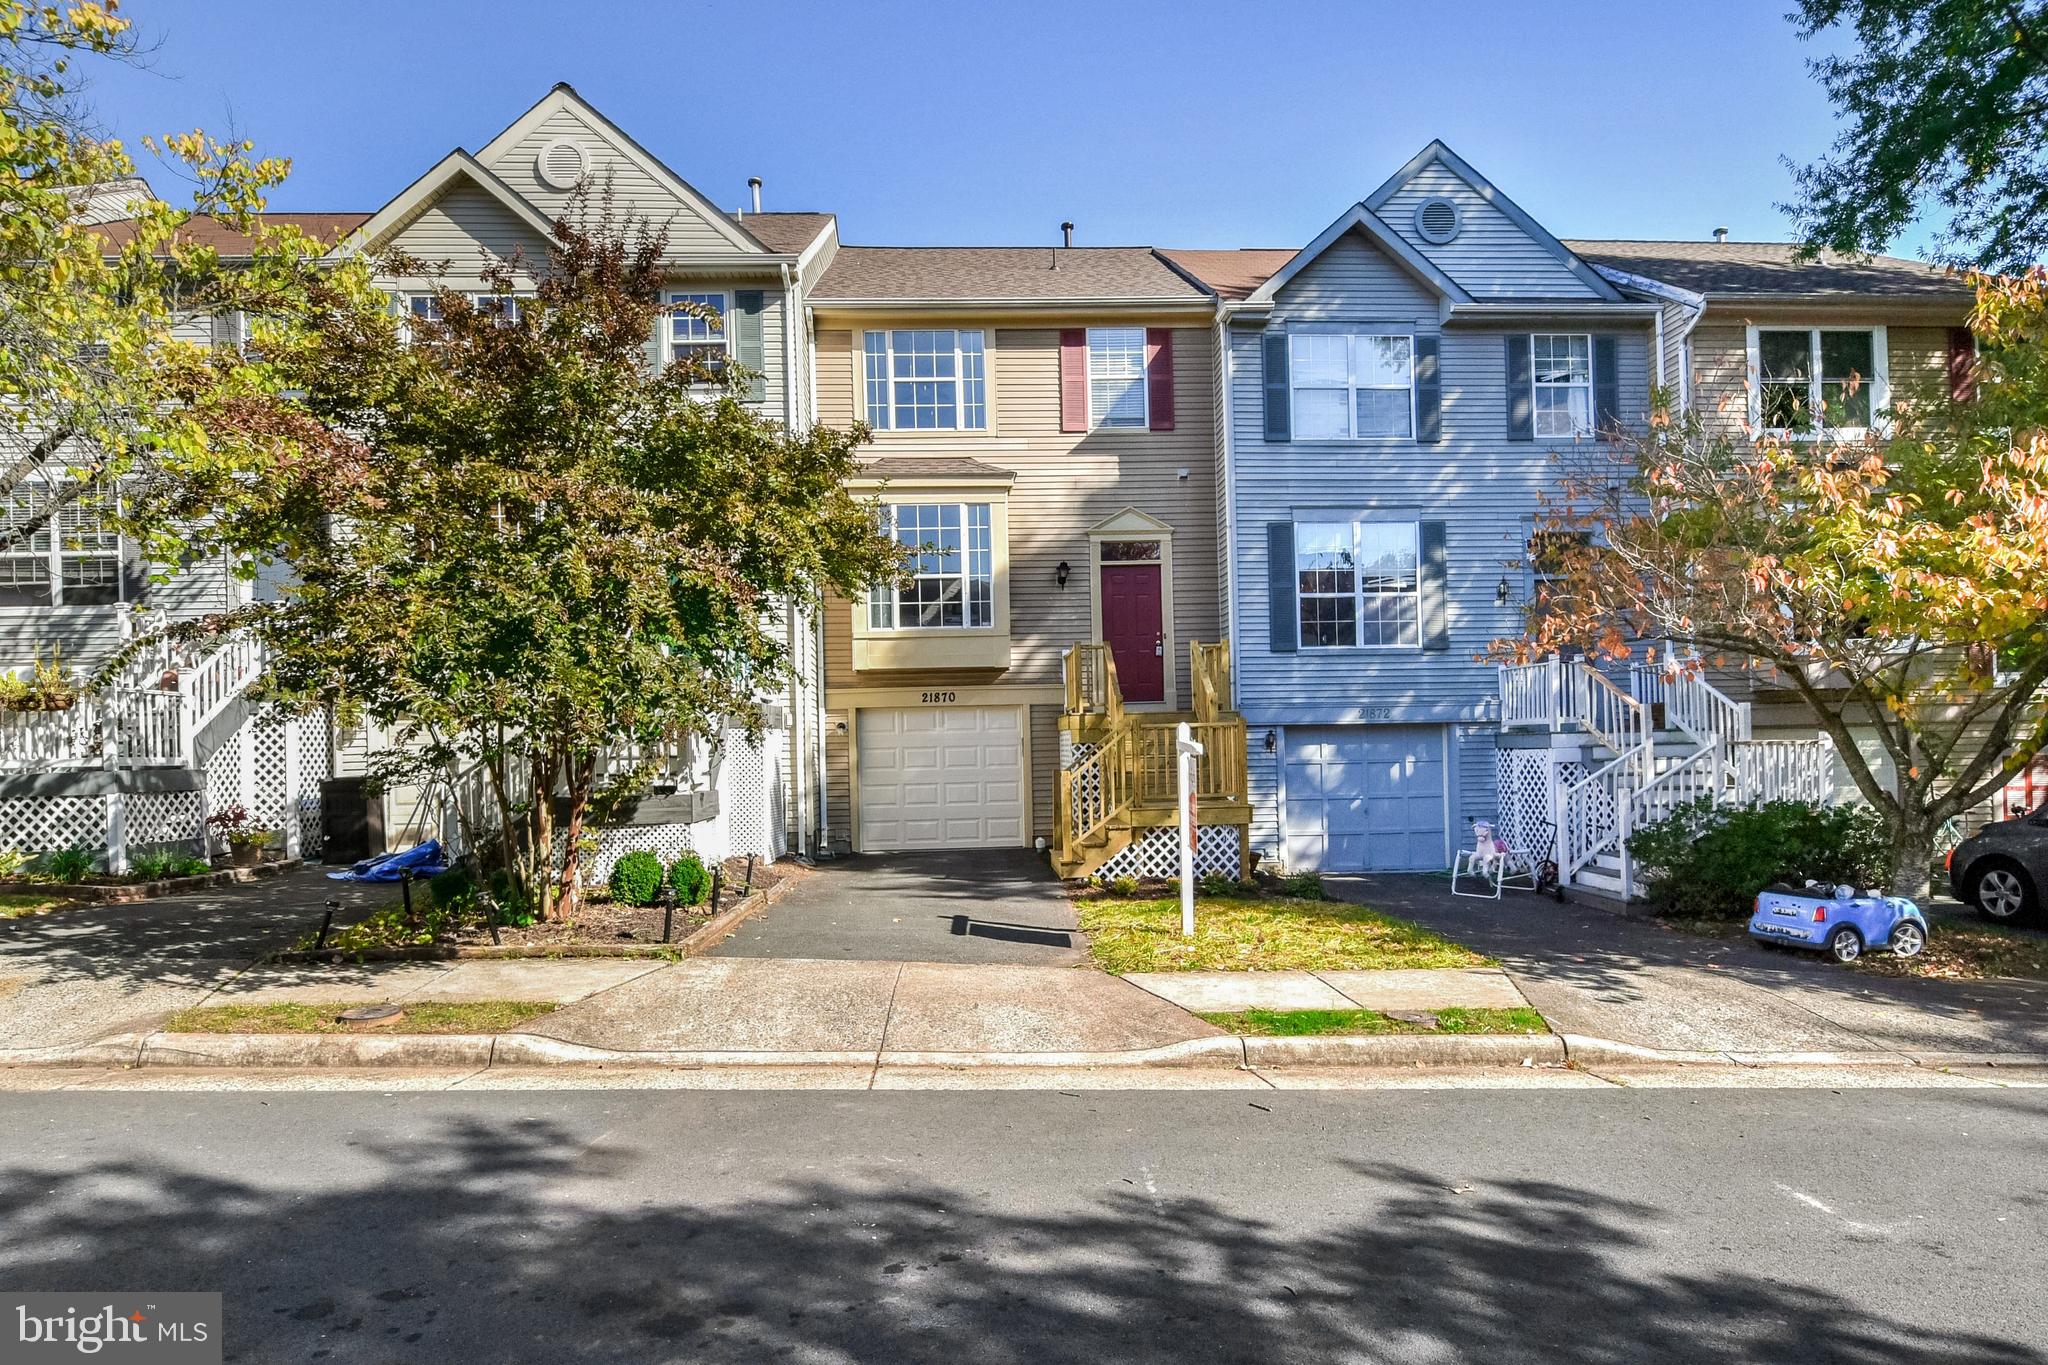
column 950, row 778
column 1366, row 798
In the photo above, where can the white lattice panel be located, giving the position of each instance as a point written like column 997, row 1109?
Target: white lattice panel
column 315, row 766
column 224, row 773
column 747, row 797
column 1522, row 789
column 267, row 803
column 1156, row 853
column 163, row 818
column 667, row 842
column 46, row 824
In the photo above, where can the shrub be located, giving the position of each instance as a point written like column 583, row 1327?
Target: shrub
column 1710, row 861
column 1306, row 886
column 1216, row 884
column 1123, row 886
column 188, row 866
column 636, row 878
column 515, row 907
column 72, row 864
column 12, row 861
column 690, row 879
column 154, row 867
column 454, row 889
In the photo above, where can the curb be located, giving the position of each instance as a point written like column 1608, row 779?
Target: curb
column 701, row 940
column 1408, row 1049
column 124, row 893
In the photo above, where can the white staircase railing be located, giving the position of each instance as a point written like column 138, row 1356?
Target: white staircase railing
column 130, row 726
column 212, row 685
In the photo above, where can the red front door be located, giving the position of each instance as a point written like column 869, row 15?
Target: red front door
column 1131, row 627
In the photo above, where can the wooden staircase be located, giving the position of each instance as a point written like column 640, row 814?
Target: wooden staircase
column 1120, row 783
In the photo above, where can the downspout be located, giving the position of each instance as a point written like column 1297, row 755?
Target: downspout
column 824, row 833
column 791, row 408
column 1232, row 587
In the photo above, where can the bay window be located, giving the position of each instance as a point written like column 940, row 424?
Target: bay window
column 1358, row 584
column 949, row 576
column 1352, row 386
column 925, row 379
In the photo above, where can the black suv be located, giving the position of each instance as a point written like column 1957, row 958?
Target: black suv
column 2002, row 868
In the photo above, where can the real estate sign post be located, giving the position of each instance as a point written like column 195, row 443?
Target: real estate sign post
column 1186, row 750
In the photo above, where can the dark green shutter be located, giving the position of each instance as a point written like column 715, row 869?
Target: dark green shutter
column 1276, row 390
column 1436, row 626
column 747, row 348
column 1606, row 386
column 1282, row 627
column 1429, row 393
column 134, row 573
column 1521, row 391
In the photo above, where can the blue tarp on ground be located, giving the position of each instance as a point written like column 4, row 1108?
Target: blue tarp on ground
column 422, row 860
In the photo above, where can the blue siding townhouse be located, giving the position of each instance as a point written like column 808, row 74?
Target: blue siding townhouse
column 1395, row 394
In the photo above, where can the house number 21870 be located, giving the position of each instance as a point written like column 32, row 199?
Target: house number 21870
column 938, row 698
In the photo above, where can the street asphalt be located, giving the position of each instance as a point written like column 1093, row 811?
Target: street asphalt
column 1595, row 1227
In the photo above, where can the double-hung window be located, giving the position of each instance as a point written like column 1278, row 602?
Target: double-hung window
column 695, row 328
column 1358, row 584
column 1352, row 386
column 948, row 578
column 1808, row 378
column 1116, row 377
column 75, row 561
column 1562, row 373
column 925, row 379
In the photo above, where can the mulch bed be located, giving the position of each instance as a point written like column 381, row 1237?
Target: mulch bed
column 102, row 889
column 602, row 921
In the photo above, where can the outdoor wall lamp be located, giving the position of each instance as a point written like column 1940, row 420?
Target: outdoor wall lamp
column 1272, row 741
column 1062, row 573
column 1500, row 594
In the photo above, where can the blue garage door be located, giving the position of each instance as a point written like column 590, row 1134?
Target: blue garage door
column 1365, row 798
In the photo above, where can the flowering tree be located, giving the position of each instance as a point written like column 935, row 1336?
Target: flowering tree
column 517, row 544
column 1896, row 585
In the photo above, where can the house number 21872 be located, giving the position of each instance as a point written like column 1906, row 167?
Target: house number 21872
column 938, row 698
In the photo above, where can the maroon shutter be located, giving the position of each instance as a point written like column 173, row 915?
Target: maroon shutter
column 1074, row 379
column 1159, row 378
column 1962, row 364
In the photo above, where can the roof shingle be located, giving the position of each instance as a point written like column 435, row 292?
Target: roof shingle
column 1762, row 269
column 788, row 233
column 1232, row 274
column 201, row 230
column 1019, row 273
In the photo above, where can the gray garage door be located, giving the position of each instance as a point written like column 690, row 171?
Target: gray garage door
column 1366, row 798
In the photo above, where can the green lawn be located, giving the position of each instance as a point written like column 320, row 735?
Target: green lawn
column 464, row 1016
column 1259, row 934
column 20, row 904
column 1317, row 1023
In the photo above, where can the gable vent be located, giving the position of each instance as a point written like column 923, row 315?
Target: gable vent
column 561, row 165
column 1437, row 220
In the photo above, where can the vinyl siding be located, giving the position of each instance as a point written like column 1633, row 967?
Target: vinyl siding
column 1491, row 257
column 632, row 188
column 1917, row 358
column 460, row 226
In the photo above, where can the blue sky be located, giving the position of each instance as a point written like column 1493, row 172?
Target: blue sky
column 1193, row 123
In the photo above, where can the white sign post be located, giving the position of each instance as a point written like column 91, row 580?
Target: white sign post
column 1186, row 751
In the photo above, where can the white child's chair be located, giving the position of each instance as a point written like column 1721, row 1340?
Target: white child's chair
column 1493, row 864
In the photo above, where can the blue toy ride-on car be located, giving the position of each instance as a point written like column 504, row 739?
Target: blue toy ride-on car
column 1837, row 921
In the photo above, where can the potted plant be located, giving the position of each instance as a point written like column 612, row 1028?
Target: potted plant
column 246, row 841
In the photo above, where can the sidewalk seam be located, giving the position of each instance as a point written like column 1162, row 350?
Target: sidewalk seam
column 888, row 1018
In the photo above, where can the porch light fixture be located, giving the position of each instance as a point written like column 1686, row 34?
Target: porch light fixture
column 1500, row 593
column 1062, row 573
column 1272, row 741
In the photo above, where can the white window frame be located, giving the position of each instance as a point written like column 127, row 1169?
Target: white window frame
column 720, row 339
column 968, row 415
column 1359, row 594
column 1878, row 383
column 53, row 552
column 1098, row 420
column 977, row 563
column 1352, row 388
column 1537, row 385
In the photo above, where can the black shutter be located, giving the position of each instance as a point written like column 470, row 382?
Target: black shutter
column 1277, row 427
column 1282, row 628
column 1436, row 627
column 747, row 347
column 1521, row 392
column 1606, row 387
column 1429, row 393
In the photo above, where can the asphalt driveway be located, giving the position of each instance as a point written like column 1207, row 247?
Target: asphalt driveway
column 995, row 905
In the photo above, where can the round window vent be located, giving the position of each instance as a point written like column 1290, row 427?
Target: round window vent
column 1438, row 220
column 561, row 165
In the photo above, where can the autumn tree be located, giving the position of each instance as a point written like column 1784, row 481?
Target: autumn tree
column 95, row 385
column 1942, row 103
column 1896, row 584
column 516, row 544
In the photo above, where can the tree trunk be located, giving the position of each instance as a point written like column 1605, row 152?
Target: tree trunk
column 1912, row 856
column 542, row 855
column 582, row 777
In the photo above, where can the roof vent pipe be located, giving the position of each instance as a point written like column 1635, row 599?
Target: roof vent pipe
column 754, row 184
column 1720, row 234
column 1066, row 234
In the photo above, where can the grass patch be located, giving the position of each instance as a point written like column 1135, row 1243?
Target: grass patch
column 1256, row 934
column 21, row 904
column 1318, row 1023
column 1962, row 951
column 427, row 1016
